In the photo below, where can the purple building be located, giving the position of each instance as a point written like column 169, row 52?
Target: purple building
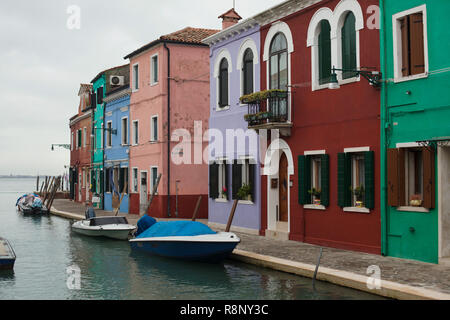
column 234, row 150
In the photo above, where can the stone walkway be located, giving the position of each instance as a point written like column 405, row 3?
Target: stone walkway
column 435, row 278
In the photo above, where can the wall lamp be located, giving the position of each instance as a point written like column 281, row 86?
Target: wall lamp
column 65, row 146
column 374, row 77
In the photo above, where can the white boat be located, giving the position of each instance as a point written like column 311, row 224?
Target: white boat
column 109, row 227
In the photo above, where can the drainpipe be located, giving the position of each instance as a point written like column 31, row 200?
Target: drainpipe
column 103, row 146
column 168, row 129
column 384, row 131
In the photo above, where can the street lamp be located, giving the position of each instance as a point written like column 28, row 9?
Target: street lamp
column 374, row 77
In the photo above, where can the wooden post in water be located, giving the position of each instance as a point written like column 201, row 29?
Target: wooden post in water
column 155, row 189
column 37, row 184
column 53, row 196
column 121, row 198
column 47, row 190
column 197, row 208
column 230, row 220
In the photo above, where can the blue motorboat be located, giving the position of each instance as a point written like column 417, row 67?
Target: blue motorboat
column 7, row 255
column 187, row 240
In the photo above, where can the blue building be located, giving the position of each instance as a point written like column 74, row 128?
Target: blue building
column 117, row 134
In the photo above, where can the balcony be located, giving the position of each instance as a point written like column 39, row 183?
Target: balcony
column 268, row 110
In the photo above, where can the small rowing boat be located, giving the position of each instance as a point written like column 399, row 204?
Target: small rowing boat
column 7, row 255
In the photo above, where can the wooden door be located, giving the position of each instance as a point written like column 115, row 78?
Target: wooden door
column 283, row 189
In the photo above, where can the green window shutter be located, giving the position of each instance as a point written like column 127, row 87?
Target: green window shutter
column 369, row 167
column 344, row 177
column 324, row 52
column 325, row 168
column 252, row 173
column 214, row 181
column 237, row 179
column 349, row 46
column 304, row 179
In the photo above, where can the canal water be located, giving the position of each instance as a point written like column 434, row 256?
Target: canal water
column 48, row 253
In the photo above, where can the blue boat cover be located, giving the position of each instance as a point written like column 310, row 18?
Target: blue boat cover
column 176, row 229
column 144, row 223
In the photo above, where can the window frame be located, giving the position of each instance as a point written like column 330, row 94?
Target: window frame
column 278, row 54
column 125, row 129
column 109, row 134
column 135, row 180
column 135, row 74
column 154, row 82
column 245, row 69
column 222, row 72
column 154, row 136
column 135, row 125
column 397, row 44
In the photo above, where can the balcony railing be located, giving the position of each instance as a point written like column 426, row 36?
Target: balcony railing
column 269, row 107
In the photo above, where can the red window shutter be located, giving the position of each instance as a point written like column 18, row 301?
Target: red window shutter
column 417, row 47
column 404, row 27
column 392, row 176
column 429, row 180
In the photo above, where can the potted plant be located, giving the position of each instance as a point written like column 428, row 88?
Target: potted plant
column 245, row 193
column 416, row 200
column 359, row 193
column 316, row 194
column 224, row 193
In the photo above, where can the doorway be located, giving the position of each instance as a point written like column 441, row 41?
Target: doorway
column 283, row 215
column 144, row 191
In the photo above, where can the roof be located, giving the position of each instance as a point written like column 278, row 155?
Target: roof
column 231, row 14
column 188, row 35
column 84, row 88
column 104, row 71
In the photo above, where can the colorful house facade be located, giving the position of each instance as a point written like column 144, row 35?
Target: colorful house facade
column 117, row 128
column 169, row 103
column 415, row 130
column 320, row 181
column 235, row 71
column 80, row 146
column 101, row 85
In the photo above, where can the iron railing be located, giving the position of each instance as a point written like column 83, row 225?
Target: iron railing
column 268, row 107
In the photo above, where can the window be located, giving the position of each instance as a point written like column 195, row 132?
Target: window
column 124, row 131
column 356, row 184
column 102, row 137
column 154, row 70
column 243, row 175
column 135, row 132
column 84, row 137
column 108, row 179
column 154, row 129
column 218, row 180
column 410, row 43
column 109, row 134
column 411, row 177
column 71, row 142
column 247, row 70
column 136, row 77
column 278, row 63
column 79, row 139
column 100, row 95
column 324, row 52
column 223, row 84
column 135, row 179
column 314, row 179
column 154, row 177
column 349, row 46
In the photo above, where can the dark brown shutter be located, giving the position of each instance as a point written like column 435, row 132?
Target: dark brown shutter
column 417, row 43
column 429, row 180
column 237, row 179
column 404, row 27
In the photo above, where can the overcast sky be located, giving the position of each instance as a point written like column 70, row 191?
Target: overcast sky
column 43, row 62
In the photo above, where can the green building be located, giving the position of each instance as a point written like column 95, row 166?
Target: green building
column 415, row 133
column 105, row 82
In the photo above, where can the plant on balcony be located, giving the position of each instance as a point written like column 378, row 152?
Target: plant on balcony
column 245, row 193
column 262, row 95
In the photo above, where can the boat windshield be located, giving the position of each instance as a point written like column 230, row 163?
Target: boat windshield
column 102, row 221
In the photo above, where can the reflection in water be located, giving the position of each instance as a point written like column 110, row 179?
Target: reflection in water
column 46, row 247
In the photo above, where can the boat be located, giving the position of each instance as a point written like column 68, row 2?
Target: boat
column 7, row 255
column 31, row 204
column 185, row 240
column 110, row 227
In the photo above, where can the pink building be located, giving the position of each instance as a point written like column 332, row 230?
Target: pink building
column 170, row 91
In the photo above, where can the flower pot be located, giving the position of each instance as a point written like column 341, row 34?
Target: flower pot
column 317, row 202
column 359, row 204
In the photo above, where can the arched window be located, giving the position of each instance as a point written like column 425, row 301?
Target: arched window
column 278, row 63
column 349, row 46
column 324, row 52
column 223, row 83
column 247, row 72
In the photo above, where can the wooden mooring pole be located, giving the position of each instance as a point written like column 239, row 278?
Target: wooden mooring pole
column 155, row 189
column 230, row 219
column 197, row 208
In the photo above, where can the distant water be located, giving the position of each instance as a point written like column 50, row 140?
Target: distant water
column 46, row 248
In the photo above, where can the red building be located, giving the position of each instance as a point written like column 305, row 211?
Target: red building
column 320, row 181
column 80, row 148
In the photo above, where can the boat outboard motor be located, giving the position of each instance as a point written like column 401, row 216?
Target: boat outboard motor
column 144, row 223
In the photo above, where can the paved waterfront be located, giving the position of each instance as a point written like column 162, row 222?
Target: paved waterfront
column 406, row 272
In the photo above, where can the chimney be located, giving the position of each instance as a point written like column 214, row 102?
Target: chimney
column 229, row 18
